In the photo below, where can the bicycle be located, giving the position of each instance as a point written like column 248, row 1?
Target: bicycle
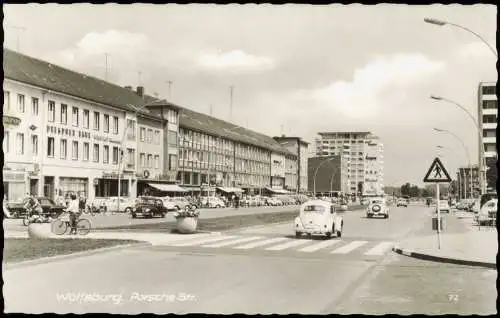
column 61, row 225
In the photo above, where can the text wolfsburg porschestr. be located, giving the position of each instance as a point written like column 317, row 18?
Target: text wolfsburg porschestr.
column 82, row 297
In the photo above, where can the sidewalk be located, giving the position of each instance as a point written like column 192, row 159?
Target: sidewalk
column 462, row 242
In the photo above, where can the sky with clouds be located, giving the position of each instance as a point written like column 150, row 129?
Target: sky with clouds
column 295, row 69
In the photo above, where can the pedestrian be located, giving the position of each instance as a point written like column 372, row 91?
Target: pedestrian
column 74, row 212
column 6, row 212
column 237, row 202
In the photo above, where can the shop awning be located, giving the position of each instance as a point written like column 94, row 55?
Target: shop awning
column 279, row 191
column 230, row 190
column 167, row 187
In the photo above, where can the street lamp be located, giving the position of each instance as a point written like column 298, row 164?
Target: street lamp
column 481, row 162
column 466, row 153
column 443, row 23
column 331, row 182
column 316, row 172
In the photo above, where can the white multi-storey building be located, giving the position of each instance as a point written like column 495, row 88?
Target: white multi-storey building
column 364, row 172
column 487, row 114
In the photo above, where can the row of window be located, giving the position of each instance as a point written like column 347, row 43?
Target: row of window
column 195, row 178
column 489, row 133
column 21, row 103
column 146, row 135
column 489, row 119
column 149, row 161
column 20, row 148
column 490, row 104
column 108, row 152
column 489, row 90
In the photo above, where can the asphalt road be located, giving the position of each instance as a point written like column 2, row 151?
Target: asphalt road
column 298, row 277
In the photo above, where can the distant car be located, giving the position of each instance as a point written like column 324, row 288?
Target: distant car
column 402, row 202
column 488, row 212
column 272, row 201
column 168, row 203
column 443, row 206
column 126, row 204
column 318, row 217
column 180, row 203
column 149, row 207
column 377, row 207
column 213, row 202
column 49, row 207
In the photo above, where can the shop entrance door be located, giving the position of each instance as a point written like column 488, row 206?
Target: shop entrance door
column 48, row 187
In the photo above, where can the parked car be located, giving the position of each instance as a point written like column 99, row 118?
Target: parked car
column 443, row 206
column 149, row 207
column 273, row 201
column 377, row 207
column 180, row 203
column 402, row 202
column 318, row 217
column 168, row 203
column 213, row 202
column 49, row 207
column 488, row 213
column 126, row 204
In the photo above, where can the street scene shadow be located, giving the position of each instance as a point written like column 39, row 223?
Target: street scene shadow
column 309, row 237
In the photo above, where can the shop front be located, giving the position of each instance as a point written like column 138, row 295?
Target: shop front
column 107, row 185
column 69, row 185
column 14, row 184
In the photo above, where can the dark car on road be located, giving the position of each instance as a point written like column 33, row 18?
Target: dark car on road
column 149, row 207
column 49, row 207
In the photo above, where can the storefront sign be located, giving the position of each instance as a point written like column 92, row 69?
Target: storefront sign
column 110, row 175
column 13, row 176
column 79, row 133
column 11, row 120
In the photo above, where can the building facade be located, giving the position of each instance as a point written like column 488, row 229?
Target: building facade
column 464, row 182
column 487, row 114
column 364, row 154
column 291, row 176
column 278, row 170
column 300, row 149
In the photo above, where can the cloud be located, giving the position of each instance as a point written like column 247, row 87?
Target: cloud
column 385, row 79
column 235, row 61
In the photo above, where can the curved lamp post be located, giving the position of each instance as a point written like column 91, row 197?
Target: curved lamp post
column 466, row 153
column 443, row 23
column 331, row 181
column 482, row 163
column 316, row 172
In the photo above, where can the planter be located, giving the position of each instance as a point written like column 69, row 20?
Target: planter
column 39, row 230
column 187, row 225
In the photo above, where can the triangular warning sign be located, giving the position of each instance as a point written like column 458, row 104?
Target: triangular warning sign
column 437, row 172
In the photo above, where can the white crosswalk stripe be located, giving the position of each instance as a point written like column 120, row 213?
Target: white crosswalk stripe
column 349, row 247
column 286, row 245
column 318, row 246
column 380, row 248
column 234, row 242
column 203, row 241
column 261, row 243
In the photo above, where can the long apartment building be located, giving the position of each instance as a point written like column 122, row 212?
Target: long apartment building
column 487, row 114
column 363, row 153
column 69, row 132
column 464, row 179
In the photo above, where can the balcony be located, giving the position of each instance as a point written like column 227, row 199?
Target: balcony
column 490, row 111
column 489, row 125
column 489, row 140
column 490, row 154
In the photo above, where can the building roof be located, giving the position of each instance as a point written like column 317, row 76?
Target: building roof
column 32, row 71
column 344, row 132
column 217, row 127
column 299, row 139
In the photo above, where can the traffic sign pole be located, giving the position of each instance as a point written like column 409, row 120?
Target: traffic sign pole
column 438, row 216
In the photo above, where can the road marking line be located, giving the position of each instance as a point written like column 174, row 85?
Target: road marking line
column 380, row 248
column 349, row 247
column 261, row 243
column 315, row 247
column 286, row 245
column 205, row 240
column 166, row 240
column 234, row 242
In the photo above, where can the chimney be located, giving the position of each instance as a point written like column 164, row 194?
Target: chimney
column 140, row 91
column 128, row 87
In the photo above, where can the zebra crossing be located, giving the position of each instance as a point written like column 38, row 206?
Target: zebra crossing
column 279, row 244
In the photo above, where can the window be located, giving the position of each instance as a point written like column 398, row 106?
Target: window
column 20, row 144
column 489, row 119
column 64, row 114
column 74, row 117
column 131, row 158
column 5, row 141
column 490, row 104
column 106, row 154
column 130, row 129
column 96, row 120
column 115, row 155
column 86, row 151
column 172, row 117
column 75, row 150
column 150, row 161
column 142, row 134
column 86, row 115
column 489, row 90
column 34, row 106
column 115, row 125
column 52, row 111
column 489, row 133
column 96, row 153
column 157, row 162
column 157, row 137
column 64, row 148
column 6, row 99
column 34, row 145
column 142, row 160
column 150, row 136
column 172, row 138
column 106, row 123
column 20, row 103
column 50, row 147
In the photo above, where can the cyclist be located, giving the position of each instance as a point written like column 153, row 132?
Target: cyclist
column 33, row 208
column 74, row 212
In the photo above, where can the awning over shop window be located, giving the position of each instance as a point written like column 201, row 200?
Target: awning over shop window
column 230, row 190
column 279, row 191
column 167, row 187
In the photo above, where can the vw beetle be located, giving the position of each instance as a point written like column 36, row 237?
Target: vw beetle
column 377, row 207
column 318, row 217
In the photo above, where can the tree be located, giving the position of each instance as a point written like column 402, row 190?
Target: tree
column 425, row 193
column 414, row 191
column 405, row 189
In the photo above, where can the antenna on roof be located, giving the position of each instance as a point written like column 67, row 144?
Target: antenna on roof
column 106, row 72
column 169, row 88
column 231, row 103
column 211, row 109
column 19, row 29
column 140, row 77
